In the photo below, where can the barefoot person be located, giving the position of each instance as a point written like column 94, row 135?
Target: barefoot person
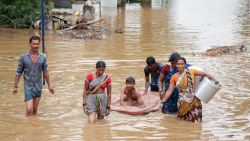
column 189, row 106
column 96, row 102
column 130, row 94
column 32, row 64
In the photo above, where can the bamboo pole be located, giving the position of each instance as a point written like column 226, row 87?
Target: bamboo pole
column 43, row 44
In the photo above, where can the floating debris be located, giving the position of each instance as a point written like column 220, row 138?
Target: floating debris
column 84, row 30
column 219, row 50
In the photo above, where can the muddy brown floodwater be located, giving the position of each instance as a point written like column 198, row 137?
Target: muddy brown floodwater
column 188, row 27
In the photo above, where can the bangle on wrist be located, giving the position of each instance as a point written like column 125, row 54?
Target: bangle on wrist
column 160, row 90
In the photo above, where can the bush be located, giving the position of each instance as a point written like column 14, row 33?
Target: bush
column 20, row 11
column 133, row 1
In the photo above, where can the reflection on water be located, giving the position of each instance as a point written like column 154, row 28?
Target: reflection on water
column 188, row 27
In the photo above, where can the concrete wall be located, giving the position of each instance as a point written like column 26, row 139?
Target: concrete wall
column 109, row 3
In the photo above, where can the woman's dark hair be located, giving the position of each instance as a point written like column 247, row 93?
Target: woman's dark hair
column 34, row 37
column 183, row 59
column 100, row 64
column 174, row 57
column 150, row 60
column 130, row 80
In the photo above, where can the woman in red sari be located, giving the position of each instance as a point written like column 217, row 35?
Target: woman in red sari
column 96, row 102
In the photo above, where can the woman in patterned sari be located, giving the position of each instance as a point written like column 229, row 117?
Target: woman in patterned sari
column 170, row 106
column 96, row 103
column 189, row 105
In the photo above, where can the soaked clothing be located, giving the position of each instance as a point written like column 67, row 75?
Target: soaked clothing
column 97, row 99
column 154, row 76
column 98, row 81
column 170, row 106
column 191, row 111
column 31, row 92
column 97, row 103
column 32, row 74
column 189, row 105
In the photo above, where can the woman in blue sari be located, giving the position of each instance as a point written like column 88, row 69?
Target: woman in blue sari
column 170, row 106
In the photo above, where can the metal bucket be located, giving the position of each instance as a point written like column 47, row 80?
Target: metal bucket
column 207, row 89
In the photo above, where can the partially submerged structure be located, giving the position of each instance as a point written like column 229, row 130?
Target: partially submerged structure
column 82, row 20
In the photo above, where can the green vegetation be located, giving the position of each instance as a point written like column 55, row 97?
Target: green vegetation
column 133, row 1
column 19, row 11
column 137, row 1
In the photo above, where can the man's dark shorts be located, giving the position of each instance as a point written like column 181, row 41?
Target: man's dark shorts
column 30, row 93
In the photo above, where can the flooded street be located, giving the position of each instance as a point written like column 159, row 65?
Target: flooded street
column 188, row 27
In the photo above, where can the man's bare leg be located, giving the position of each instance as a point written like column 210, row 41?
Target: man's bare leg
column 29, row 107
column 36, row 101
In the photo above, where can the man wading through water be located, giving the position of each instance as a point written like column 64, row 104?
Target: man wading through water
column 31, row 65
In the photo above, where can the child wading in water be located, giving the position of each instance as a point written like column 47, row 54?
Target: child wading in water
column 130, row 95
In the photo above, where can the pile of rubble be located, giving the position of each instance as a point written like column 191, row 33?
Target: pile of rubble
column 83, row 24
column 225, row 49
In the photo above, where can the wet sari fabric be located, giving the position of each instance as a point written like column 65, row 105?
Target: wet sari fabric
column 170, row 106
column 189, row 105
column 97, row 99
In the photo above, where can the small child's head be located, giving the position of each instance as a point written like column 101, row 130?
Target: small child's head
column 130, row 80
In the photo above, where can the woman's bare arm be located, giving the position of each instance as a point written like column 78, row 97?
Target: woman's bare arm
column 200, row 73
column 109, row 94
column 85, row 89
column 169, row 92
